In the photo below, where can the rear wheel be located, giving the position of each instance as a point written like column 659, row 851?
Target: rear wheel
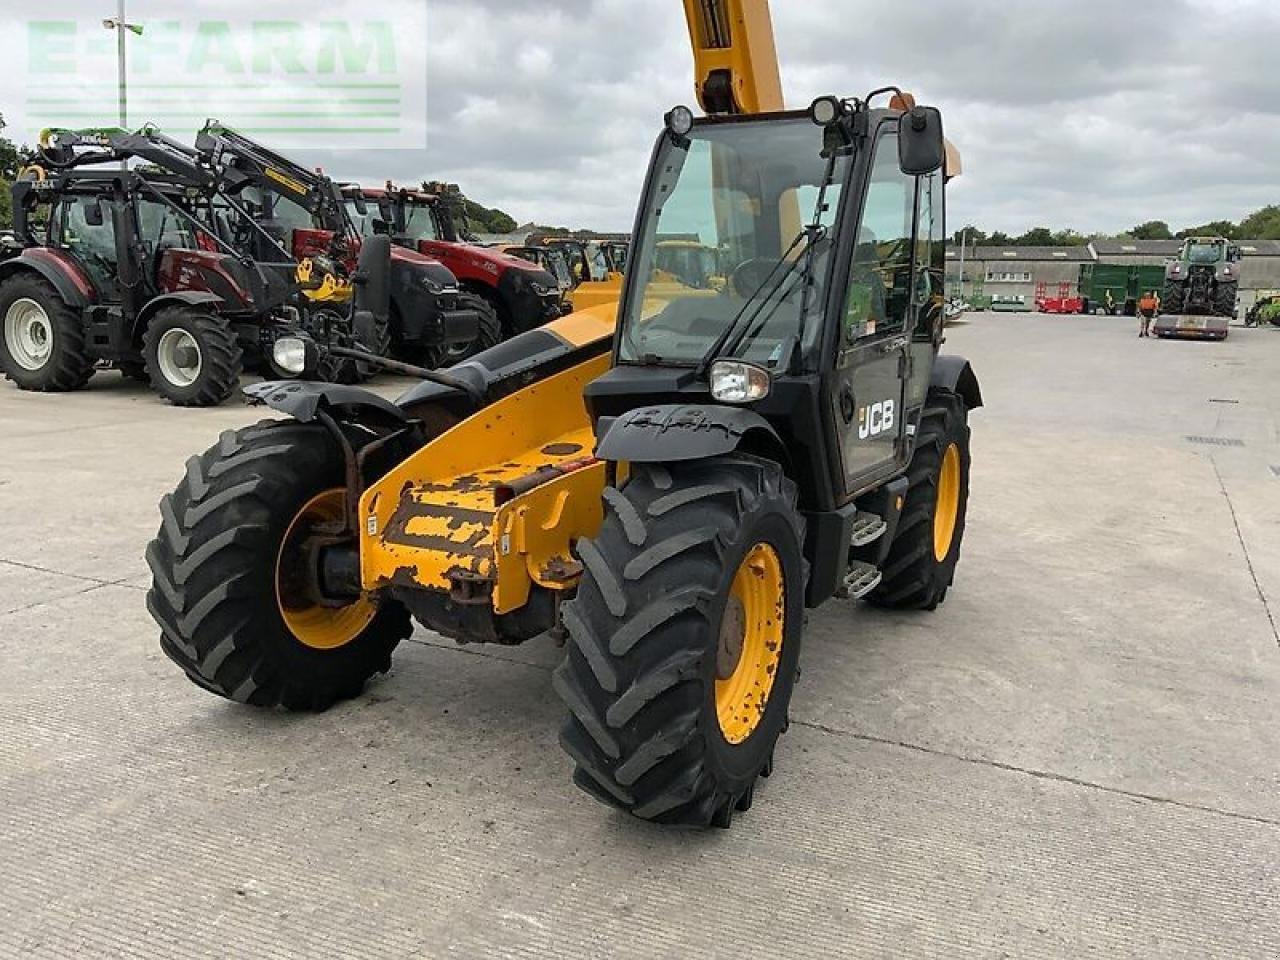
column 926, row 545
column 43, row 343
column 229, row 587
column 191, row 356
column 685, row 639
column 1224, row 300
column 1174, row 298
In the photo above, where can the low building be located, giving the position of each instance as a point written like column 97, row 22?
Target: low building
column 1012, row 275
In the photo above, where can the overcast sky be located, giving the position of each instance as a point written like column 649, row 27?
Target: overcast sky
column 1091, row 114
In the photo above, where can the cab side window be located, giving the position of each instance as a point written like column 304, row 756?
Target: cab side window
column 880, row 287
column 931, row 262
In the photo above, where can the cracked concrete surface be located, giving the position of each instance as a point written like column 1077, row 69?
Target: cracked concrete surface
column 1075, row 755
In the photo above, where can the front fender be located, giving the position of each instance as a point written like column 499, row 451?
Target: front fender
column 955, row 374
column 683, row 432
column 181, row 298
column 304, row 401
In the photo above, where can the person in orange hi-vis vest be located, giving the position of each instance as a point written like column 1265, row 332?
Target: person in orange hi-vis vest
column 1148, row 307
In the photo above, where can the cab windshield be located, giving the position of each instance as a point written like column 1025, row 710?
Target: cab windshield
column 419, row 224
column 722, row 241
column 1204, row 252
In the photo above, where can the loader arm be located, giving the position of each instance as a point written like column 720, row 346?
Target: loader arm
column 735, row 59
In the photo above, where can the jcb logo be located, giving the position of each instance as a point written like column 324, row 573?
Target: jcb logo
column 875, row 419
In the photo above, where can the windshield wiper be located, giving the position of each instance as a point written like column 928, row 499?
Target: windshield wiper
column 719, row 344
column 730, row 340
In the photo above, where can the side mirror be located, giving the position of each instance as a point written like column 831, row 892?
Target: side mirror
column 921, row 147
column 93, row 213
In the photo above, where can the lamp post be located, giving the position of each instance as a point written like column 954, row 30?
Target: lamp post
column 120, row 25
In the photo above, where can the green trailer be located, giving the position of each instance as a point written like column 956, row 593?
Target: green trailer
column 1126, row 283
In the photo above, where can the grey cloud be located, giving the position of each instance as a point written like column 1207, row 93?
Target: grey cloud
column 1093, row 114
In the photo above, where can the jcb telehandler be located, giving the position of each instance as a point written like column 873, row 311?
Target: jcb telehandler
column 667, row 485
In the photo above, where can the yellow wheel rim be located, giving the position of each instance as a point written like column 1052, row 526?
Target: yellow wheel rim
column 750, row 644
column 947, row 511
column 315, row 626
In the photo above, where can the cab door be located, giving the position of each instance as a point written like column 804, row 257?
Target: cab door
column 867, row 395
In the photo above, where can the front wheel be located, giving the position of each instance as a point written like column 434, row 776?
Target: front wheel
column 926, row 544
column 191, row 356
column 488, row 333
column 685, row 639
column 231, row 568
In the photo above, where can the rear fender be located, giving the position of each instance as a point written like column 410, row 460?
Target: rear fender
column 670, row 433
column 63, row 274
column 955, row 374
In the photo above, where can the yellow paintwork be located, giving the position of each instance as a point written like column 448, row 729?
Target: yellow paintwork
column 753, row 630
column 331, row 289
column 536, row 531
column 947, row 510
column 435, row 515
column 585, row 326
column 597, row 293
column 750, row 56
column 321, row 628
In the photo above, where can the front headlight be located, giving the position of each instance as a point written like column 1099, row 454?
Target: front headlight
column 290, row 355
column 541, row 289
column 733, row 381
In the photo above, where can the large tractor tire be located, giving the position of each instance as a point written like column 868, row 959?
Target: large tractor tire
column 192, row 357
column 926, row 545
column 488, row 332
column 1174, row 298
column 1224, row 299
column 685, row 639
column 226, row 592
column 42, row 342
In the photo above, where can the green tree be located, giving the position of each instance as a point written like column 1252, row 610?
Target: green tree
column 999, row 239
column 1152, row 230
column 975, row 235
column 1262, row 224
column 11, row 159
column 1036, row 237
column 1216, row 228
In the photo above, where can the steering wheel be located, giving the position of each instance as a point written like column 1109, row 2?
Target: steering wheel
column 749, row 276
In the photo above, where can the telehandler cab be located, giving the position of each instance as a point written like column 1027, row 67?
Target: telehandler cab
column 666, row 485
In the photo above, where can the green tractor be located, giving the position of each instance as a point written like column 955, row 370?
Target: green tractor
column 1204, row 279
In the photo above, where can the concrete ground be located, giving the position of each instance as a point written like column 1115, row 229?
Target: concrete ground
column 1076, row 755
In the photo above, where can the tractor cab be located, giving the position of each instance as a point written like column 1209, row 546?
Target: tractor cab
column 1202, row 251
column 821, row 308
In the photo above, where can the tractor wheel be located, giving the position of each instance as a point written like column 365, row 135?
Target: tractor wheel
column 1224, row 300
column 488, row 333
column 192, row 356
column 43, row 344
column 685, row 639
column 227, row 591
column 926, row 545
column 1174, row 298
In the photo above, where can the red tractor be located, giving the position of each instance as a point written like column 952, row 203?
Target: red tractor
column 434, row 222
column 434, row 321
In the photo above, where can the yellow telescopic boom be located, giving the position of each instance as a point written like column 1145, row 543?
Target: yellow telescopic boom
column 735, row 60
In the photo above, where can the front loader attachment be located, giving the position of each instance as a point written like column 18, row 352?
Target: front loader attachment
column 474, row 532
